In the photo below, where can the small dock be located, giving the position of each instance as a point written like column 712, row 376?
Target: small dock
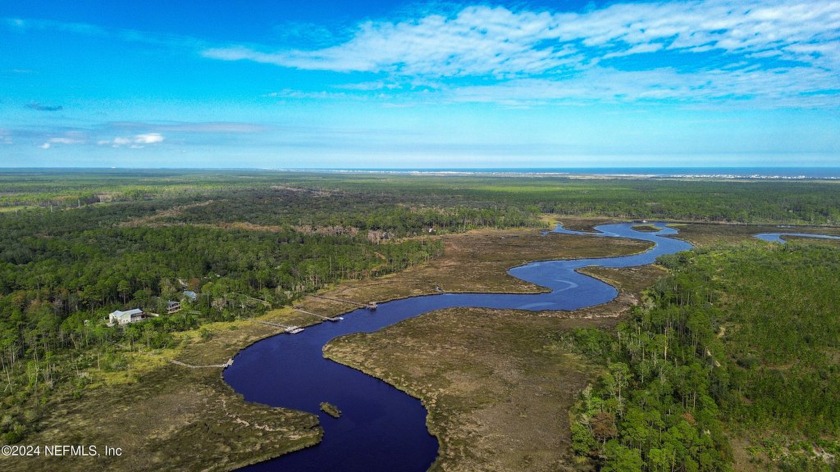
column 285, row 328
column 191, row 366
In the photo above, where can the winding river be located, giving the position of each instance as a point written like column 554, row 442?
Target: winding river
column 382, row 428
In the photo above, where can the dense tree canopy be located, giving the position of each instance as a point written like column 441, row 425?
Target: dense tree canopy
column 737, row 339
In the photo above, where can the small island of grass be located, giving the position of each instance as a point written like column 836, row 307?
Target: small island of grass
column 646, row 228
column 330, row 409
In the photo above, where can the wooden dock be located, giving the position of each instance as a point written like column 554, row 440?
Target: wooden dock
column 285, row 328
column 191, row 366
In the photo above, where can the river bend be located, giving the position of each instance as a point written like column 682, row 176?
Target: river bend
column 382, row 428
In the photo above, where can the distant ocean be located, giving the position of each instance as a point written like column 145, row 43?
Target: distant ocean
column 782, row 173
column 785, row 173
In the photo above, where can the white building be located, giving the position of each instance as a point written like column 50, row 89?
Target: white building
column 125, row 317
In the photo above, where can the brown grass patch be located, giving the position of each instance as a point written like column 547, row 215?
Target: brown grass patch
column 496, row 389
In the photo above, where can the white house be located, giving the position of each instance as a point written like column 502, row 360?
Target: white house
column 126, row 317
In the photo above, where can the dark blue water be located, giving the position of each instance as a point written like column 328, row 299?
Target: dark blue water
column 381, row 428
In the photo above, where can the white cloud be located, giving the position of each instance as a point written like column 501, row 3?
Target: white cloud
column 481, row 40
column 150, row 138
column 788, row 40
column 477, row 41
column 762, row 87
column 135, row 142
column 638, row 49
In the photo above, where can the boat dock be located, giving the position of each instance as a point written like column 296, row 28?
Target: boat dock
column 285, row 328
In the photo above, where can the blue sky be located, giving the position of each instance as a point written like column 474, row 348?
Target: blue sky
column 366, row 84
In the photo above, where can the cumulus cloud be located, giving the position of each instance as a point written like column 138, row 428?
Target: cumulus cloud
column 783, row 39
column 150, row 138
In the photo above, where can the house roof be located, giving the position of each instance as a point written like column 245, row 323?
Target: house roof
column 120, row 314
